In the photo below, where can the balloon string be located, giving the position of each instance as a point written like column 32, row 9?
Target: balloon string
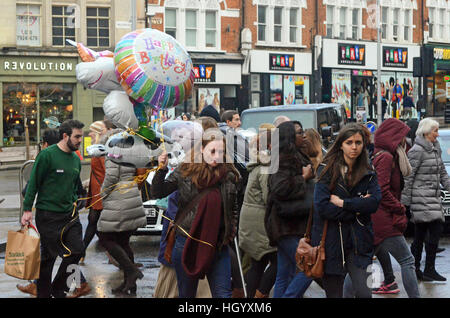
column 185, row 232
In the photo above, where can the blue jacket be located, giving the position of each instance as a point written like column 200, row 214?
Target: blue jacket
column 170, row 212
column 350, row 227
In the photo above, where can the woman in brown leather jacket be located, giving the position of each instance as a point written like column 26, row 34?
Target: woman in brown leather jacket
column 211, row 223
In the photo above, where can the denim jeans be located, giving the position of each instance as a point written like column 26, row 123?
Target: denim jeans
column 288, row 284
column 398, row 248
column 219, row 275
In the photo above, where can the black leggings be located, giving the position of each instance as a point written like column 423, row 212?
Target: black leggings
column 91, row 229
column 260, row 278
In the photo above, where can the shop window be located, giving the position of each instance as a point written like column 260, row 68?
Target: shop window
column 276, row 89
column 63, row 27
column 170, row 22
column 262, row 21
column 191, row 28
column 97, row 27
column 22, row 108
column 211, row 30
column 28, row 25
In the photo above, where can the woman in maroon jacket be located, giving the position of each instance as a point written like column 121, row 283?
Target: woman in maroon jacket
column 390, row 221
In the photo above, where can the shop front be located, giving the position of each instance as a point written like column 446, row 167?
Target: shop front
column 349, row 77
column 438, row 85
column 38, row 92
column 279, row 78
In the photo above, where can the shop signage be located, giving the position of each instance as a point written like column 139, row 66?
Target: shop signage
column 281, row 62
column 441, row 53
column 351, row 54
column 204, row 73
column 362, row 73
column 395, row 57
column 37, row 66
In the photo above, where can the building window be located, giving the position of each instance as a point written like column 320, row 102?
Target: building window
column 293, row 22
column 62, row 26
column 28, row 25
column 330, row 21
column 395, row 21
column 431, row 22
column 441, row 23
column 262, row 23
column 384, row 22
column 407, row 26
column 211, row 31
column 191, row 28
column 97, row 27
column 355, row 24
column 278, row 23
column 170, row 22
column 343, row 22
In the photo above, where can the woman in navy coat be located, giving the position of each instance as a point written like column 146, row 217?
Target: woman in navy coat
column 346, row 194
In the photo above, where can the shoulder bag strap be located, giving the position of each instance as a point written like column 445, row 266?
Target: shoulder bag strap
column 308, row 227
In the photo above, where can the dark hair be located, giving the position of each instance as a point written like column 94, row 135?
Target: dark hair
column 68, row 125
column 228, row 115
column 188, row 115
column 334, row 159
column 51, row 136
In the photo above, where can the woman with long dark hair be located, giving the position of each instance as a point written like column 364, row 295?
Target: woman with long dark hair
column 346, row 194
column 285, row 222
column 208, row 178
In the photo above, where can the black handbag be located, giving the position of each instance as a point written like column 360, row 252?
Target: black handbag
column 299, row 207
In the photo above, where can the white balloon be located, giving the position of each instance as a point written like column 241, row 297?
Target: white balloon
column 119, row 110
column 98, row 75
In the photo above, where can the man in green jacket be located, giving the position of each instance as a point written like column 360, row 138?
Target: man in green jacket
column 55, row 178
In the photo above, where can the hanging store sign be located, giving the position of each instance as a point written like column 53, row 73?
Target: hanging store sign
column 281, row 62
column 204, row 73
column 441, row 53
column 395, row 57
column 351, row 54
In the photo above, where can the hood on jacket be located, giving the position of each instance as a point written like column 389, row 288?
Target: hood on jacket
column 390, row 134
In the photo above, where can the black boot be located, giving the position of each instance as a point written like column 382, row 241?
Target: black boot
column 430, row 271
column 131, row 272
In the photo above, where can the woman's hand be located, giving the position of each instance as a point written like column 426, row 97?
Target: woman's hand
column 307, row 172
column 337, row 201
column 163, row 160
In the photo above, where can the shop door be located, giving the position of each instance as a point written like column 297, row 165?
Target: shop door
column 363, row 97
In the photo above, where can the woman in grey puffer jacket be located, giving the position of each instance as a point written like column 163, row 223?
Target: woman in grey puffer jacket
column 122, row 214
column 422, row 194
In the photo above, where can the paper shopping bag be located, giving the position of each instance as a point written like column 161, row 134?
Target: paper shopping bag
column 23, row 255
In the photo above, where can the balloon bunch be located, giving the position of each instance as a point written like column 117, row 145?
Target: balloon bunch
column 148, row 71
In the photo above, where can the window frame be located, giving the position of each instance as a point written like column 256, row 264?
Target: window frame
column 64, row 18
column 343, row 25
column 259, row 24
column 27, row 16
column 278, row 26
column 355, row 27
column 293, row 28
column 329, row 24
column 210, row 30
column 407, row 25
column 186, row 29
column 98, row 27
column 165, row 21
column 395, row 24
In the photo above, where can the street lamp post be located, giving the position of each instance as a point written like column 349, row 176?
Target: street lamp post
column 379, row 108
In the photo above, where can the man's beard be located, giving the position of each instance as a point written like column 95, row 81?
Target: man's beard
column 71, row 146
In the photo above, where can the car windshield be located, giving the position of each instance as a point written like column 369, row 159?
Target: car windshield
column 445, row 146
column 253, row 120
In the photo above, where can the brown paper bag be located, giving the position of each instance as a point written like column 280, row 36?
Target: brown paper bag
column 23, row 255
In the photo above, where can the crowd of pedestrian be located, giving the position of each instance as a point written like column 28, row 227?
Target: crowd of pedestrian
column 232, row 226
